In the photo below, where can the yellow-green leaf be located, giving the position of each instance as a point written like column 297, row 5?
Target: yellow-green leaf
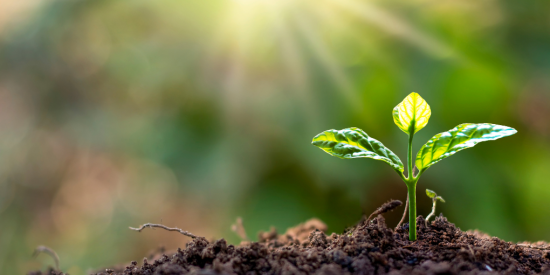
column 431, row 194
column 457, row 139
column 412, row 114
column 355, row 143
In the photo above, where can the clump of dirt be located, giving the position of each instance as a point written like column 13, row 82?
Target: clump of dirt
column 368, row 248
column 298, row 234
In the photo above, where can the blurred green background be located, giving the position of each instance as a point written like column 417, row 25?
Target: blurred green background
column 192, row 113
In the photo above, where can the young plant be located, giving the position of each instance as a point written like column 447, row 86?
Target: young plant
column 411, row 115
column 432, row 195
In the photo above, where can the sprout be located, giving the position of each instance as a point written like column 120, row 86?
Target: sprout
column 432, row 195
column 411, row 115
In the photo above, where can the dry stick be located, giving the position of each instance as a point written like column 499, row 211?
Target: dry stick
column 238, row 228
column 151, row 225
column 404, row 213
column 388, row 206
column 49, row 251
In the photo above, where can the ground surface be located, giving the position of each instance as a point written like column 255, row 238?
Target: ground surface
column 368, row 248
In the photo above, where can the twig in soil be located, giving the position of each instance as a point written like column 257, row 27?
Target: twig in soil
column 238, row 228
column 404, row 213
column 152, row 225
column 49, row 251
column 386, row 207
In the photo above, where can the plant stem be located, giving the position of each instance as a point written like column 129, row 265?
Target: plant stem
column 410, row 156
column 411, row 186
column 433, row 211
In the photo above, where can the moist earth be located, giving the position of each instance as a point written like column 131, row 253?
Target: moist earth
column 368, row 248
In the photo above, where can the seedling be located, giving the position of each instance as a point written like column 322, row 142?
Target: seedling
column 432, row 195
column 411, row 115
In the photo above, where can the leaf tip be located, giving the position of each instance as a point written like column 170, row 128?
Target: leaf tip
column 431, row 194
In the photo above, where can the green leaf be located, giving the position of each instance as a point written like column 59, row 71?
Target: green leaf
column 430, row 193
column 459, row 138
column 412, row 114
column 355, row 143
column 440, row 199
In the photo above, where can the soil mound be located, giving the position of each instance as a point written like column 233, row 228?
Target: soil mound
column 368, row 248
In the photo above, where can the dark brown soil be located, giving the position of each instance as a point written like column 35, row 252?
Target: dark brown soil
column 368, row 248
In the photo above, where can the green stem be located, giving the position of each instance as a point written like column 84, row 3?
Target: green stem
column 434, row 200
column 410, row 156
column 411, row 186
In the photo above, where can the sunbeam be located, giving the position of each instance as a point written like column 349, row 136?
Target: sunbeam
column 294, row 64
column 252, row 26
column 328, row 61
column 395, row 26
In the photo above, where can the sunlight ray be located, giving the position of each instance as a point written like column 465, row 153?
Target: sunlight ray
column 354, row 33
column 329, row 62
column 370, row 49
column 395, row 26
column 294, row 64
column 226, row 57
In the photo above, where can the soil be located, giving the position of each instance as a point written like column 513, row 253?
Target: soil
column 368, row 248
